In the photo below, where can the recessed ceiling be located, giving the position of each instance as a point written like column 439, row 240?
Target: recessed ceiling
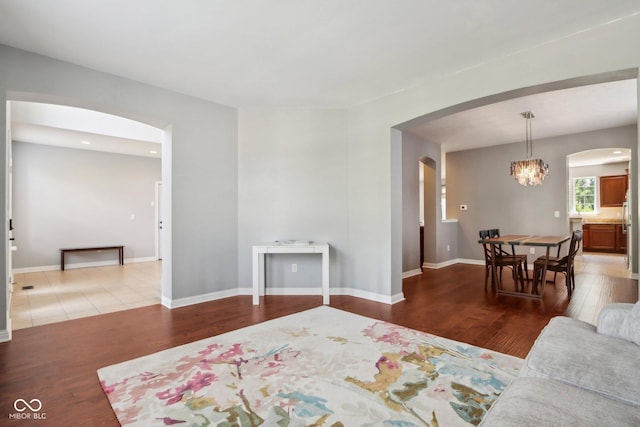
column 599, row 156
column 70, row 127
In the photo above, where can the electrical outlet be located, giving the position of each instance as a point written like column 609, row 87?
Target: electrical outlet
column 448, row 248
column 532, row 250
column 294, row 268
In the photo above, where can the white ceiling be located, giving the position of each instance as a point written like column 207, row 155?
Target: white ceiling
column 560, row 112
column 78, row 128
column 322, row 54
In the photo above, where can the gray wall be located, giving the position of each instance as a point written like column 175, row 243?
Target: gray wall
column 368, row 206
column 416, row 153
column 79, row 198
column 292, row 175
column 199, row 185
column 480, row 179
column 552, row 65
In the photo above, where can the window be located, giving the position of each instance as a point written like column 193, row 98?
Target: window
column 584, row 195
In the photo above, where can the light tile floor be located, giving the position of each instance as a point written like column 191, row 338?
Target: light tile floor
column 71, row 294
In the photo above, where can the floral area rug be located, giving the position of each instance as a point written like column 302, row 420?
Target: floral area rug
column 320, row 367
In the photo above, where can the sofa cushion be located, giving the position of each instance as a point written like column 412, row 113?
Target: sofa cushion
column 571, row 351
column 612, row 317
column 630, row 329
column 543, row 402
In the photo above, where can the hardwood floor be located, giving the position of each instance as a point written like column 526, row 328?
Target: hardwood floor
column 57, row 363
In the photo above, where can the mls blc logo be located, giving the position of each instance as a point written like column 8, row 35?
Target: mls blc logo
column 28, row 410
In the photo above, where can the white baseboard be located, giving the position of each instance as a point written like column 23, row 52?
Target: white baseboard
column 411, row 273
column 452, row 262
column 386, row 299
column 80, row 265
column 197, row 299
column 5, row 334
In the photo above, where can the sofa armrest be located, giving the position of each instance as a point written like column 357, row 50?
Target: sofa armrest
column 611, row 319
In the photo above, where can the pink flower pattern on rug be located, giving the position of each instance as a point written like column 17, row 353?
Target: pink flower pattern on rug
column 319, row 367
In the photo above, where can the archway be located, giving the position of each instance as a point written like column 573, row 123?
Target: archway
column 164, row 133
column 598, row 201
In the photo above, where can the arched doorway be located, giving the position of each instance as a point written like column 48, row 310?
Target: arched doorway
column 598, row 203
column 162, row 145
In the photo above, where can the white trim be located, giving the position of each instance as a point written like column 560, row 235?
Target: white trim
column 369, row 295
column 452, row 262
column 81, row 265
column 411, row 273
column 197, row 299
column 183, row 302
column 5, row 334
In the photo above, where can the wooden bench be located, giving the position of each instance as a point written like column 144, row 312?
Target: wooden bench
column 95, row 248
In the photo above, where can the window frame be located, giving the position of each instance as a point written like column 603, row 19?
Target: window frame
column 573, row 195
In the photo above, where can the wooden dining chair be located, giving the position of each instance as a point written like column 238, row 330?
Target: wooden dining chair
column 495, row 232
column 564, row 265
column 503, row 259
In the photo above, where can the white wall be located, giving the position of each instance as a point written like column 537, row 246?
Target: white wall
column 65, row 198
column 292, row 185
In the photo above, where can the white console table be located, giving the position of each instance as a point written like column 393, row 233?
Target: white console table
column 261, row 250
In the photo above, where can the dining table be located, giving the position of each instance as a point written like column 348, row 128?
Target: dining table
column 536, row 290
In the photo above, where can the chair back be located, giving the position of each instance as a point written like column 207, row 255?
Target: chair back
column 574, row 246
column 485, row 234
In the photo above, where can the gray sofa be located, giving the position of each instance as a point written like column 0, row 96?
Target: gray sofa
column 577, row 374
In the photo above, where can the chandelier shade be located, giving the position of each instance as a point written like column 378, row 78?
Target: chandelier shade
column 529, row 171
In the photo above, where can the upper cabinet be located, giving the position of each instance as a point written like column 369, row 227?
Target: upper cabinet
column 613, row 190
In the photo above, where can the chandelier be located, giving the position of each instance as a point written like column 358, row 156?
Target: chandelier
column 529, row 171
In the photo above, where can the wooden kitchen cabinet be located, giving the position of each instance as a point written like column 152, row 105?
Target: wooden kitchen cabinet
column 604, row 238
column 613, row 190
column 622, row 239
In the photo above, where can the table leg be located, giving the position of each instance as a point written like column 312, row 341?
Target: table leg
column 494, row 270
column 543, row 279
column 325, row 276
column 255, row 261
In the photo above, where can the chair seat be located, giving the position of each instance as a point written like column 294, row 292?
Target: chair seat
column 502, row 259
column 556, row 265
column 510, row 258
column 552, row 262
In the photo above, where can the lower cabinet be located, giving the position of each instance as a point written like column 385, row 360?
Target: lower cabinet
column 604, row 238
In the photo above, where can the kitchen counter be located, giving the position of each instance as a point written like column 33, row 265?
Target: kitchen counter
column 601, row 220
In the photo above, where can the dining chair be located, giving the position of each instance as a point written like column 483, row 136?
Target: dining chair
column 564, row 265
column 495, row 232
column 503, row 259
